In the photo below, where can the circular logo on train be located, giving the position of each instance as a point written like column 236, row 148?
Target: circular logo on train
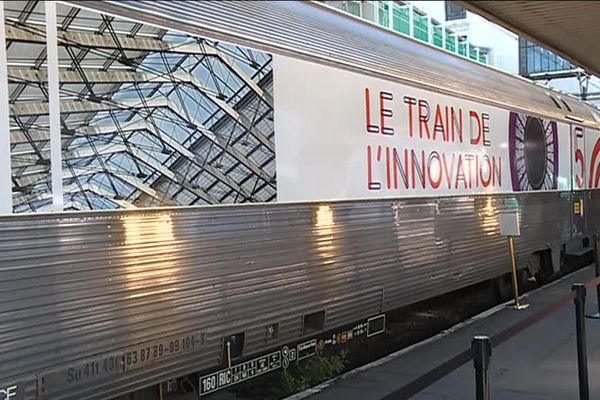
column 594, row 182
column 533, row 147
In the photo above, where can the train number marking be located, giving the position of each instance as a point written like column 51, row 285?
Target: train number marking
column 103, row 367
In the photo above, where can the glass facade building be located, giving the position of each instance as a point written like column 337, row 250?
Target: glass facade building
column 407, row 20
column 534, row 59
column 454, row 11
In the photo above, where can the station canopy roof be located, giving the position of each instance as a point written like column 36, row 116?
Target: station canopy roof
column 569, row 28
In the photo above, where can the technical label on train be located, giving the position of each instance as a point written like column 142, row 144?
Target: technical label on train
column 116, row 363
column 241, row 372
column 287, row 354
column 11, row 391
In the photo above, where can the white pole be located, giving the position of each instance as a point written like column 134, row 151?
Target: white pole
column 456, row 43
column 6, row 206
column 390, row 5
column 54, row 107
column 444, row 36
column 411, row 20
column 429, row 30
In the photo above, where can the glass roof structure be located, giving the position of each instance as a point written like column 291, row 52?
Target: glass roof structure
column 149, row 117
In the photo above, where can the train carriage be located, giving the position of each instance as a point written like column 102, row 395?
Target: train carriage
column 393, row 160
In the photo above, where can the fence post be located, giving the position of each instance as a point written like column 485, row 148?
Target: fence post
column 482, row 351
column 584, row 390
column 597, row 264
column 597, row 268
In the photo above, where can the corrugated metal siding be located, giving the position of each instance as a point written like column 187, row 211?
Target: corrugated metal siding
column 592, row 211
column 79, row 287
column 310, row 31
column 76, row 287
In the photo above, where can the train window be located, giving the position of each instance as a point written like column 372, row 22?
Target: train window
column 566, row 105
column 233, row 347
column 313, row 322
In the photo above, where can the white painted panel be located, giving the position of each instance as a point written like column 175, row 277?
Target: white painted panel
column 342, row 135
column 509, row 223
column 579, row 161
column 592, row 153
column 564, row 157
column 54, row 107
column 6, row 206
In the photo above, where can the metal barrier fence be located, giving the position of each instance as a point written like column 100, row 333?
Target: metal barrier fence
column 481, row 346
column 482, row 351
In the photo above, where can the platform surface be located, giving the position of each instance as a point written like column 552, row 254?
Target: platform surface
column 538, row 363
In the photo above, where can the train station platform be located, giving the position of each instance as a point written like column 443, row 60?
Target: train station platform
column 537, row 363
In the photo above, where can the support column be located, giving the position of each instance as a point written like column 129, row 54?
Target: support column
column 429, row 30
column 456, row 43
column 411, row 20
column 444, row 36
column 6, row 206
column 54, row 107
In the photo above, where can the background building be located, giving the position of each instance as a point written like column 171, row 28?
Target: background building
column 543, row 66
column 446, row 25
column 500, row 44
column 414, row 20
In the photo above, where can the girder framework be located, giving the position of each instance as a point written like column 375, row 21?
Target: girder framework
column 148, row 117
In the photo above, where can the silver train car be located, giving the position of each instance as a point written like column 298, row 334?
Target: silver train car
column 97, row 304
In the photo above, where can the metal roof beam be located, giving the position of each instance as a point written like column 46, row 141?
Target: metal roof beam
column 41, row 133
column 74, row 189
column 83, row 106
column 228, row 109
column 32, row 174
column 251, row 165
column 142, row 125
column 71, row 106
column 17, row 136
column 78, row 172
column 146, row 159
column 105, row 41
column 227, row 60
column 120, row 76
column 547, row 76
column 72, row 203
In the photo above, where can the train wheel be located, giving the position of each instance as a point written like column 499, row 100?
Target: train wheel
column 503, row 287
column 546, row 270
